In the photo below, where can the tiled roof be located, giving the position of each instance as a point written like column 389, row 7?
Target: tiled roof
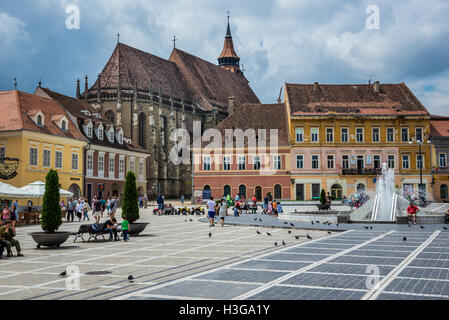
column 439, row 126
column 258, row 116
column 203, row 82
column 322, row 99
column 15, row 107
column 75, row 105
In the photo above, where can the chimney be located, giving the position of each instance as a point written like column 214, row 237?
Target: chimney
column 86, row 89
column 315, row 86
column 376, row 87
column 78, row 88
column 231, row 103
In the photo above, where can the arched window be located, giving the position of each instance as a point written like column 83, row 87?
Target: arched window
column 226, row 190
column 39, row 120
column 142, row 121
column 258, row 193
column 360, row 188
column 110, row 116
column 242, row 190
column 443, row 191
column 278, row 191
column 63, row 126
column 337, row 191
column 206, row 192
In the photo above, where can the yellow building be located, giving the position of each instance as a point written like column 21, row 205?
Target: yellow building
column 39, row 133
column 341, row 135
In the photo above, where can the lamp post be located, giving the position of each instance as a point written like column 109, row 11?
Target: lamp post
column 419, row 139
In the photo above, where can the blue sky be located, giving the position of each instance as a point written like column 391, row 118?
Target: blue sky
column 284, row 40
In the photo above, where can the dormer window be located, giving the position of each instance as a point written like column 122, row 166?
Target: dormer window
column 111, row 134
column 64, row 125
column 38, row 117
column 100, row 133
column 86, row 112
column 61, row 121
column 89, row 130
column 39, row 120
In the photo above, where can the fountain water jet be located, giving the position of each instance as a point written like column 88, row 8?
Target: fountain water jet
column 384, row 208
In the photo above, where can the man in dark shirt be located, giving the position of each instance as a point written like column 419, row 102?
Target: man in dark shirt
column 111, row 226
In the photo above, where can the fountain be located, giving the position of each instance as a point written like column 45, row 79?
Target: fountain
column 385, row 201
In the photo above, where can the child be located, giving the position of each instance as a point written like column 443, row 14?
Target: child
column 236, row 211
column 125, row 229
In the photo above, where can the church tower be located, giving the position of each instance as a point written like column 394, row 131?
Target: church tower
column 228, row 58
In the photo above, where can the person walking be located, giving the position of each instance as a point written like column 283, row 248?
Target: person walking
column 96, row 210
column 70, row 207
column 211, row 211
column 160, row 202
column 86, row 209
column 411, row 211
column 222, row 211
column 145, row 201
column 182, row 200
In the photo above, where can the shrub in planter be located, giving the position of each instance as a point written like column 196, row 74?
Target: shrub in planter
column 51, row 211
column 130, row 207
column 323, row 197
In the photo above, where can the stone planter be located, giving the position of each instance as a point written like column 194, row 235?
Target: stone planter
column 49, row 239
column 323, row 206
column 137, row 228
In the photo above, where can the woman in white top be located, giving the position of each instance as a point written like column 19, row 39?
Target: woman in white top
column 222, row 211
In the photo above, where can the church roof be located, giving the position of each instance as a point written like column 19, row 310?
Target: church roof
column 205, row 83
column 360, row 99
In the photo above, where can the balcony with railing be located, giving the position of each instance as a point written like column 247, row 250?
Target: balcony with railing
column 361, row 172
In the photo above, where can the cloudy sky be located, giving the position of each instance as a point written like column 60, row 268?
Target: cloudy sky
column 298, row 41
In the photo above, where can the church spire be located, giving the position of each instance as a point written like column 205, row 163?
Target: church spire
column 228, row 58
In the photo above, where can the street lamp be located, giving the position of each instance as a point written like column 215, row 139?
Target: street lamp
column 419, row 139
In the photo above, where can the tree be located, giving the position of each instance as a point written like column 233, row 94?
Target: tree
column 323, row 197
column 51, row 211
column 130, row 207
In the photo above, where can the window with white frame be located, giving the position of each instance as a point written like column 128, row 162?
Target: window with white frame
column 329, row 134
column 100, row 164
column 405, row 161
column 359, row 134
column 376, row 134
column 89, row 131
column 141, row 169
column 390, row 134
column 132, row 164
column 111, row 166
column 227, row 163
column 345, row 161
column 256, row 162
column 418, row 132
column 277, row 163
column 344, row 134
column 314, row 134
column 419, row 161
column 206, row 163
column 390, row 161
column 299, row 134
column 111, row 135
column 315, row 161
column 376, row 161
column 299, row 161
column 90, row 163
column 121, row 166
column 404, row 134
column 100, row 133
column 33, row 156
column 242, row 162
column 330, row 161
column 74, row 161
column 443, row 160
column 46, row 158
column 58, row 159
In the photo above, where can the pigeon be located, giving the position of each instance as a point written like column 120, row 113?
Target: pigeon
column 445, row 228
column 317, row 221
column 292, row 224
column 297, row 237
column 309, row 237
column 285, row 222
column 260, row 220
column 190, row 220
column 258, row 232
column 366, row 228
column 255, row 219
column 130, row 278
column 63, row 274
column 283, row 242
column 329, row 232
column 289, row 231
column 337, row 224
column 371, row 228
column 269, row 234
column 312, row 222
column 210, row 234
column 404, row 239
column 422, row 227
column 276, row 244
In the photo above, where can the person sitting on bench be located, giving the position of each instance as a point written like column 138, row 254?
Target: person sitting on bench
column 111, row 226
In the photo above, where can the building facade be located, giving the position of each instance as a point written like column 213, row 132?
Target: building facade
column 39, row 133
column 109, row 154
column 149, row 97
column 252, row 159
column 439, row 127
column 341, row 135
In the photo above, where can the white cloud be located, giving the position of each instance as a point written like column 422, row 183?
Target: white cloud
column 13, row 34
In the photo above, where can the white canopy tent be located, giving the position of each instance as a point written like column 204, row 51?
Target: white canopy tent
column 37, row 189
column 9, row 191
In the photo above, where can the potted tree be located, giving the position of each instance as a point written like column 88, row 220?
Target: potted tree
column 323, row 203
column 130, row 207
column 51, row 215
